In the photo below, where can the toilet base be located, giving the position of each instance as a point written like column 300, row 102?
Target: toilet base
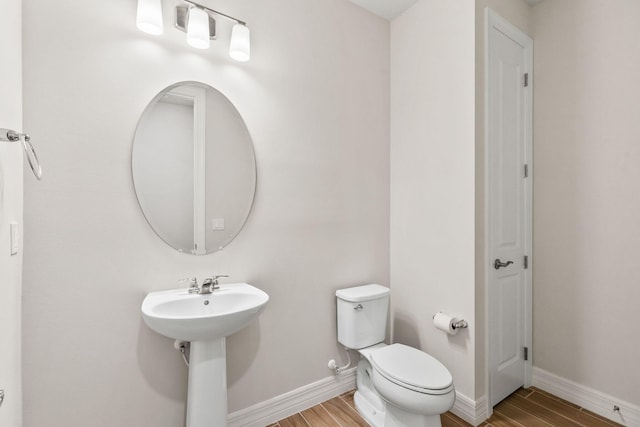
column 368, row 403
column 396, row 417
column 379, row 413
column 372, row 415
column 391, row 416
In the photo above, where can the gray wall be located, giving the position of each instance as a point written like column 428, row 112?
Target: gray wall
column 432, row 181
column 315, row 98
column 587, row 200
column 11, row 211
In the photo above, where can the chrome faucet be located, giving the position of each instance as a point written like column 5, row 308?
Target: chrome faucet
column 211, row 284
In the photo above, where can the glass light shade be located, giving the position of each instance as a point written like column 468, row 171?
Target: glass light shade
column 240, row 47
column 198, row 28
column 149, row 17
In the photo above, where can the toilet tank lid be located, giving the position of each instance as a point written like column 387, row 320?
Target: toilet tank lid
column 362, row 293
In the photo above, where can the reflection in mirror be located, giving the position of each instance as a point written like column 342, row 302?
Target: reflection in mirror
column 193, row 168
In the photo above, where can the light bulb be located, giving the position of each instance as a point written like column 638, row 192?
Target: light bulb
column 198, row 28
column 149, row 17
column 240, row 46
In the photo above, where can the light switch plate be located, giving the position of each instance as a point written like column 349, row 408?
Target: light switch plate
column 217, row 224
column 14, row 230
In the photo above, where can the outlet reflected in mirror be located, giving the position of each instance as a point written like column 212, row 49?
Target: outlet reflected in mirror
column 194, row 168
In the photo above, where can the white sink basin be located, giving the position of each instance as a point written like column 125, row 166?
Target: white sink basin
column 203, row 317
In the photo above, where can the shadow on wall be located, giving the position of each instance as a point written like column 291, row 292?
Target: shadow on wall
column 164, row 370
column 242, row 349
column 405, row 330
column 161, row 366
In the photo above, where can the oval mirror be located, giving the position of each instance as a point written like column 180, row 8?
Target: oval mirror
column 194, row 168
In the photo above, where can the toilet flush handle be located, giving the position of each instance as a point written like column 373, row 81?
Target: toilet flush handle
column 358, row 307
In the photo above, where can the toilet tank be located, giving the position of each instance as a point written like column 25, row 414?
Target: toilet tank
column 362, row 315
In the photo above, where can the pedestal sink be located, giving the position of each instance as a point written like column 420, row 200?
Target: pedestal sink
column 205, row 320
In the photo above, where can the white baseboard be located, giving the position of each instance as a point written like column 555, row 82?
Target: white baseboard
column 587, row 398
column 472, row 411
column 285, row 405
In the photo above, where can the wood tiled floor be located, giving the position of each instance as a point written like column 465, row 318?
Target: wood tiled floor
column 524, row 408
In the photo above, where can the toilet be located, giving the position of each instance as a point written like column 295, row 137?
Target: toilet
column 397, row 385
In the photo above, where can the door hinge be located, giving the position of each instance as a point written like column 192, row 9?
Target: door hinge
column 526, row 171
column 526, row 353
column 526, row 79
column 526, row 262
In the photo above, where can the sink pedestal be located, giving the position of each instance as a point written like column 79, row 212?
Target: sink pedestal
column 207, row 391
column 205, row 320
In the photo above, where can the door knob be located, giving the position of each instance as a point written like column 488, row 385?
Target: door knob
column 497, row 264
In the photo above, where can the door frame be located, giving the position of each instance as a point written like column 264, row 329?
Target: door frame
column 493, row 20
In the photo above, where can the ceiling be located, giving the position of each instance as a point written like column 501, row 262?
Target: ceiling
column 389, row 9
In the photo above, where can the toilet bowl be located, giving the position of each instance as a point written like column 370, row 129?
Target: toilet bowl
column 397, row 385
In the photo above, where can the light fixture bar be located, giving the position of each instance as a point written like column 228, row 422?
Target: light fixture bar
column 215, row 11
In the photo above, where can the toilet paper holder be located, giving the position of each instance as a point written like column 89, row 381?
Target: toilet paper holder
column 458, row 324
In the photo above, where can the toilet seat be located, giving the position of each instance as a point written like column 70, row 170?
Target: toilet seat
column 412, row 369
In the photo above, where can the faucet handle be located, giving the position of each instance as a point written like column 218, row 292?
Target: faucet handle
column 192, row 282
column 213, row 281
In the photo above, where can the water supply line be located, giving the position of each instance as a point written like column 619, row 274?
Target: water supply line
column 339, row 369
column 182, row 346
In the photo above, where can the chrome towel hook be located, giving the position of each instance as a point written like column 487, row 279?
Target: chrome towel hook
column 30, row 152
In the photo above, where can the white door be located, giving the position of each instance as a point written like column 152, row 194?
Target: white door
column 509, row 208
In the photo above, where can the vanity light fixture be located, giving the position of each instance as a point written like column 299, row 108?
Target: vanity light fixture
column 149, row 17
column 240, row 46
column 197, row 21
column 198, row 28
column 193, row 14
